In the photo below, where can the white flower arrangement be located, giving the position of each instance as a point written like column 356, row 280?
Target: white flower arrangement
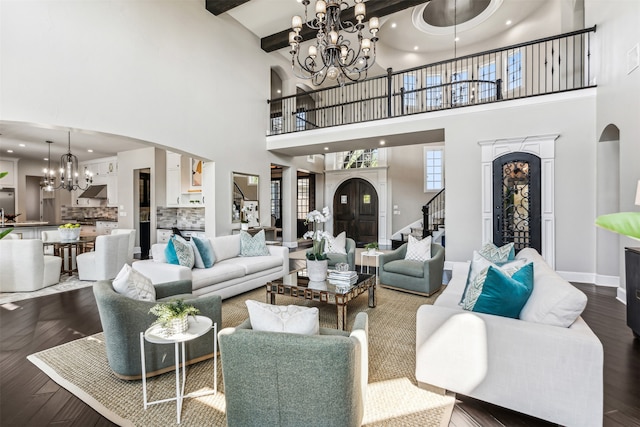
column 317, row 234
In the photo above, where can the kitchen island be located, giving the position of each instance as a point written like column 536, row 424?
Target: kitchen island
column 29, row 229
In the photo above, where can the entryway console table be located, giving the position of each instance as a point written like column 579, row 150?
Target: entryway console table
column 632, row 270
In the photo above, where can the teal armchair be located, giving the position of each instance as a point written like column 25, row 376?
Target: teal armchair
column 349, row 258
column 423, row 278
column 123, row 319
column 284, row 379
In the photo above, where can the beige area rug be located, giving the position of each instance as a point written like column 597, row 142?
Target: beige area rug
column 392, row 397
column 67, row 283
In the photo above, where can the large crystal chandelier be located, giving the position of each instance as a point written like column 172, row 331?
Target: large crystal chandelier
column 332, row 54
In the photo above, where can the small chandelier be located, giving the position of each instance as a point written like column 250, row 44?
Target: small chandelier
column 332, row 54
column 48, row 180
column 69, row 174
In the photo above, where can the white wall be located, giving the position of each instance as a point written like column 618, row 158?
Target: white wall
column 34, row 168
column 618, row 101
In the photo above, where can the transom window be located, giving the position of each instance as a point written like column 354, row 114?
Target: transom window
column 359, row 158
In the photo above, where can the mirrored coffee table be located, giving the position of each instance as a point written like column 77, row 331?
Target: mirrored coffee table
column 297, row 285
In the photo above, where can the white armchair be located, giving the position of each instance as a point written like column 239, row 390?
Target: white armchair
column 106, row 260
column 25, row 268
column 131, row 232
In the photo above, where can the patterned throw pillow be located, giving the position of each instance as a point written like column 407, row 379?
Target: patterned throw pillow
column 184, row 252
column 336, row 245
column 504, row 292
column 498, row 254
column 278, row 318
column 418, row 250
column 477, row 276
column 253, row 245
column 134, row 284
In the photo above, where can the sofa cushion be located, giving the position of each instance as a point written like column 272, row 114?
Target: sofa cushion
column 184, row 252
column 504, row 294
column 478, row 271
column 336, row 245
column 225, row 247
column 253, row 245
column 418, row 250
column 134, row 284
column 405, row 267
column 496, row 254
column 205, row 250
column 278, row 318
column 157, row 252
column 256, row 264
column 554, row 301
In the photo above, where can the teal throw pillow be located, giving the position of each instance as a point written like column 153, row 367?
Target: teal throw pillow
column 184, row 252
column 198, row 263
column 500, row 254
column 505, row 295
column 477, row 274
column 205, row 250
column 170, row 253
column 253, row 245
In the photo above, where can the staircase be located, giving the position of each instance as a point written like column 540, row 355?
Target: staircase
column 433, row 217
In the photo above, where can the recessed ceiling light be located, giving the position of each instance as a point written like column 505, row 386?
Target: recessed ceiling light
column 457, row 39
column 9, row 151
column 382, row 142
column 415, row 48
column 22, row 145
column 279, row 91
column 45, row 159
column 393, row 25
column 508, row 22
column 326, row 148
column 89, row 150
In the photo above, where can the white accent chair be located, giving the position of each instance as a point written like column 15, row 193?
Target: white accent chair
column 24, row 267
column 131, row 232
column 106, row 260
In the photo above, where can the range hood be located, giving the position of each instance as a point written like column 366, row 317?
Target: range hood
column 94, row 192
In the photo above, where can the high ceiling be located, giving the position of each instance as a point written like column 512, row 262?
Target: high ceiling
column 406, row 40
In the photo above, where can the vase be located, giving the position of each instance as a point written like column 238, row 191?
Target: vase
column 178, row 325
column 244, row 226
column 69, row 233
column 371, row 251
column 317, row 270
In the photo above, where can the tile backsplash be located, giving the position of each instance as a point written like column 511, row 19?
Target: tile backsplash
column 182, row 218
column 75, row 212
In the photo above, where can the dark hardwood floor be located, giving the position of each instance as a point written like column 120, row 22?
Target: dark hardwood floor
column 29, row 398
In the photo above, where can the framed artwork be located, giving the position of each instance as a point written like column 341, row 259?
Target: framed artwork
column 196, row 173
column 249, row 212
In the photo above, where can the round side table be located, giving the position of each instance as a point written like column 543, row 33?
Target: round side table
column 197, row 328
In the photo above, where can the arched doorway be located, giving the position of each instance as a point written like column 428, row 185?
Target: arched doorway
column 355, row 210
column 516, row 200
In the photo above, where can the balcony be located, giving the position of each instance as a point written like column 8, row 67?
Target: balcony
column 545, row 66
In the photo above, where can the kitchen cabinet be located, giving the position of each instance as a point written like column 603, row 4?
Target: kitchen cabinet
column 178, row 188
column 104, row 228
column 163, row 235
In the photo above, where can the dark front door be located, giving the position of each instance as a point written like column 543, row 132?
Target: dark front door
column 516, row 201
column 355, row 210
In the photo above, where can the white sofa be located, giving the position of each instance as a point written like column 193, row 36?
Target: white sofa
column 529, row 365
column 230, row 275
column 24, row 267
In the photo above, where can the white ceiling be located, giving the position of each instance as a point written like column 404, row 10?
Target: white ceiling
column 266, row 17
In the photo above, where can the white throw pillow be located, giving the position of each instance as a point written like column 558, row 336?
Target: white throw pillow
column 418, row 250
column 278, row 318
column 134, row 284
column 336, row 245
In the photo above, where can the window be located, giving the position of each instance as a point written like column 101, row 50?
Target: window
column 487, row 73
column 303, row 197
column 276, row 125
column 433, row 169
column 434, row 91
column 301, row 120
column 514, row 70
column 276, row 198
column 409, row 84
column 360, row 158
column 459, row 91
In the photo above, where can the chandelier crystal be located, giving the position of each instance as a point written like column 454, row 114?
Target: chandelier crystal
column 332, row 54
column 49, row 177
column 69, row 174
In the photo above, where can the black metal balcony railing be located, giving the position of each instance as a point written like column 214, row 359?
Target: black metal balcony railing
column 550, row 65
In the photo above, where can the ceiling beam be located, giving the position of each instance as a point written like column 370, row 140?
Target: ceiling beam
column 377, row 8
column 218, row 7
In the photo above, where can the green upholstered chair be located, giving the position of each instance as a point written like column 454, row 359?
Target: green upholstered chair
column 349, row 258
column 284, row 379
column 423, row 278
column 124, row 318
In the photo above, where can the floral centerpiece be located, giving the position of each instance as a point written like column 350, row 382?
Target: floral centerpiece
column 69, row 231
column 317, row 258
column 173, row 316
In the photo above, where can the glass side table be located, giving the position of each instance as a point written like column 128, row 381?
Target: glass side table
column 197, row 328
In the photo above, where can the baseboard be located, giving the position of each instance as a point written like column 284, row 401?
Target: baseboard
column 596, row 279
column 609, row 281
column 621, row 295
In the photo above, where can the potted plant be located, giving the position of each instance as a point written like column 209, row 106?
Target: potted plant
column 371, row 247
column 173, row 316
column 69, row 231
column 317, row 263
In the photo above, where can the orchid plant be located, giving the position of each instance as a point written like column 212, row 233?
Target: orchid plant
column 318, row 234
